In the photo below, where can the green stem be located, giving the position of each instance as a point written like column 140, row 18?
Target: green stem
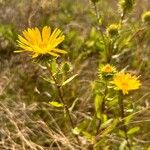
column 102, row 111
column 122, row 17
column 99, row 28
column 60, row 93
column 121, row 104
column 103, row 107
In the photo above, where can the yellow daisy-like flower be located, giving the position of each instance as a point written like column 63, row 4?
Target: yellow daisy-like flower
column 41, row 43
column 108, row 68
column 126, row 82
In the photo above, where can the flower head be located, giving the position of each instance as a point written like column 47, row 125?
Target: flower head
column 146, row 17
column 112, row 30
column 126, row 5
column 41, row 43
column 108, row 69
column 126, row 82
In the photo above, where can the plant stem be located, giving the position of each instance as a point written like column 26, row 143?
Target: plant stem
column 122, row 17
column 102, row 107
column 60, row 93
column 122, row 118
column 99, row 28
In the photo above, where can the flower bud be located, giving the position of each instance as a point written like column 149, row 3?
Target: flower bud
column 126, row 5
column 112, row 30
column 146, row 17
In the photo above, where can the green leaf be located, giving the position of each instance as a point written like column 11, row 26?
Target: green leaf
column 104, row 118
column 106, row 124
column 88, row 136
column 112, row 102
column 99, row 144
column 54, row 66
column 123, row 145
column 133, row 130
column 48, row 80
column 80, row 127
column 121, row 133
column 148, row 148
column 56, row 104
column 110, row 128
column 128, row 118
column 73, row 104
column 69, row 80
column 93, row 126
column 98, row 104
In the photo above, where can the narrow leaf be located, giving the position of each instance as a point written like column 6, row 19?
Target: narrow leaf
column 110, row 128
column 69, row 80
column 98, row 104
column 88, row 136
column 106, row 124
column 56, row 104
column 54, row 66
column 133, row 130
column 128, row 118
column 80, row 127
column 123, row 145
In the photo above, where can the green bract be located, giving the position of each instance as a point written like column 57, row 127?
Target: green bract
column 146, row 17
column 112, row 30
column 126, row 5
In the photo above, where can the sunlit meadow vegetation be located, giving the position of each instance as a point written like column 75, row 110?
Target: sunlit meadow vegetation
column 74, row 75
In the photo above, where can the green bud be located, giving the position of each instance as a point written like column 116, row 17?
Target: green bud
column 146, row 17
column 126, row 5
column 112, row 30
column 66, row 67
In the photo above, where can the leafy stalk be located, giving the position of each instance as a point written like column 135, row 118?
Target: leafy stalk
column 121, row 104
column 60, row 94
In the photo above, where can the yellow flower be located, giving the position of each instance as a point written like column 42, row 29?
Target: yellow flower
column 108, row 69
column 126, row 82
column 41, row 43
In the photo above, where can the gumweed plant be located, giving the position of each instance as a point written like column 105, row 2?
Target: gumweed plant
column 44, row 44
column 111, row 89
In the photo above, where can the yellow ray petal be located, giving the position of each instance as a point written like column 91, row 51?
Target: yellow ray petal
column 54, row 35
column 18, row 51
column 35, row 55
column 46, row 34
column 37, row 35
column 57, row 41
column 27, row 35
column 59, row 51
column 22, row 40
column 32, row 34
column 26, row 48
column 54, row 54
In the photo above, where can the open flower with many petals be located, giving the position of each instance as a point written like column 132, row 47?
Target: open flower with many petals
column 126, row 82
column 41, row 43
